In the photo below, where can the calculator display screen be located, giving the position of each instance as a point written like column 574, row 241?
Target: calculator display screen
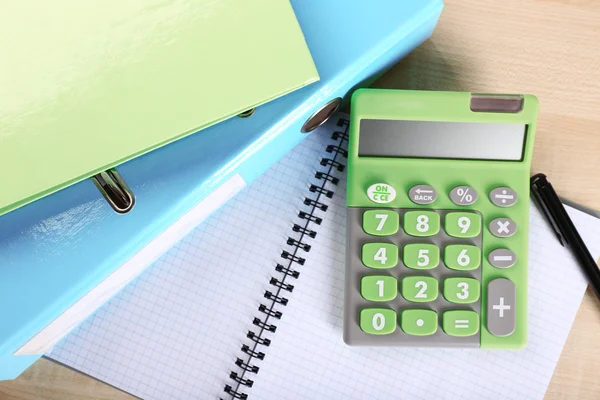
column 433, row 139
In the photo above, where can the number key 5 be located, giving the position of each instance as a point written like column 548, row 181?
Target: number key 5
column 421, row 256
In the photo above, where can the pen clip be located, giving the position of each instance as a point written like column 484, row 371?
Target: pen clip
column 539, row 182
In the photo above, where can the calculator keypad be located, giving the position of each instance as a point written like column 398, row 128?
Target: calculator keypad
column 413, row 267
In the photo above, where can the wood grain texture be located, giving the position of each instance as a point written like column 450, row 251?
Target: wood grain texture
column 544, row 47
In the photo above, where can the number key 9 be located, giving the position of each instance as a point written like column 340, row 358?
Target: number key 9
column 462, row 224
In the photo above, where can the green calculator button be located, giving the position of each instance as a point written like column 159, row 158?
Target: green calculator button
column 381, row 222
column 462, row 224
column 379, row 288
column 378, row 321
column 461, row 290
column 379, row 255
column 419, row 289
column 421, row 223
column 419, row 322
column 462, row 257
column 421, row 256
column 460, row 322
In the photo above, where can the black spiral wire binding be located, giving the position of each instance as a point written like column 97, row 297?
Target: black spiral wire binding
column 246, row 365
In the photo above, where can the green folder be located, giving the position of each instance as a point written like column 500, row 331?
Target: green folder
column 87, row 85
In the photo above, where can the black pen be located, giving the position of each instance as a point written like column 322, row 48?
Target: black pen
column 547, row 200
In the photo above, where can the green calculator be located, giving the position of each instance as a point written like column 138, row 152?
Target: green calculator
column 438, row 219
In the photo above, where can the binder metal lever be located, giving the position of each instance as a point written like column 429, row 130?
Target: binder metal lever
column 115, row 190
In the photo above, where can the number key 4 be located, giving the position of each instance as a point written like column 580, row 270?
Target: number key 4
column 379, row 255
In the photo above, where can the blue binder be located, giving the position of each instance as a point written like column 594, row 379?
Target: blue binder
column 62, row 257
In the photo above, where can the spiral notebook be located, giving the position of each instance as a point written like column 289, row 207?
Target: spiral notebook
column 249, row 305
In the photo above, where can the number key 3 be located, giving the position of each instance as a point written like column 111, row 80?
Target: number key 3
column 461, row 290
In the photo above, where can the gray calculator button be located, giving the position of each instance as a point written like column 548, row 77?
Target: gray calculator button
column 503, row 227
column 503, row 197
column 501, row 304
column 422, row 194
column 502, row 258
column 463, row 195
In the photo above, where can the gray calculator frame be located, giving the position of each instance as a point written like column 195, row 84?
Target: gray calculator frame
column 355, row 270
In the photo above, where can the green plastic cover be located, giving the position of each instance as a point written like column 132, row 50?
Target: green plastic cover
column 87, row 85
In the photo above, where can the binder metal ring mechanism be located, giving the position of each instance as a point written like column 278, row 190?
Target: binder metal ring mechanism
column 115, row 190
column 120, row 197
column 255, row 351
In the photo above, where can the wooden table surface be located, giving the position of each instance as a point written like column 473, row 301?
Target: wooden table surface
column 550, row 48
